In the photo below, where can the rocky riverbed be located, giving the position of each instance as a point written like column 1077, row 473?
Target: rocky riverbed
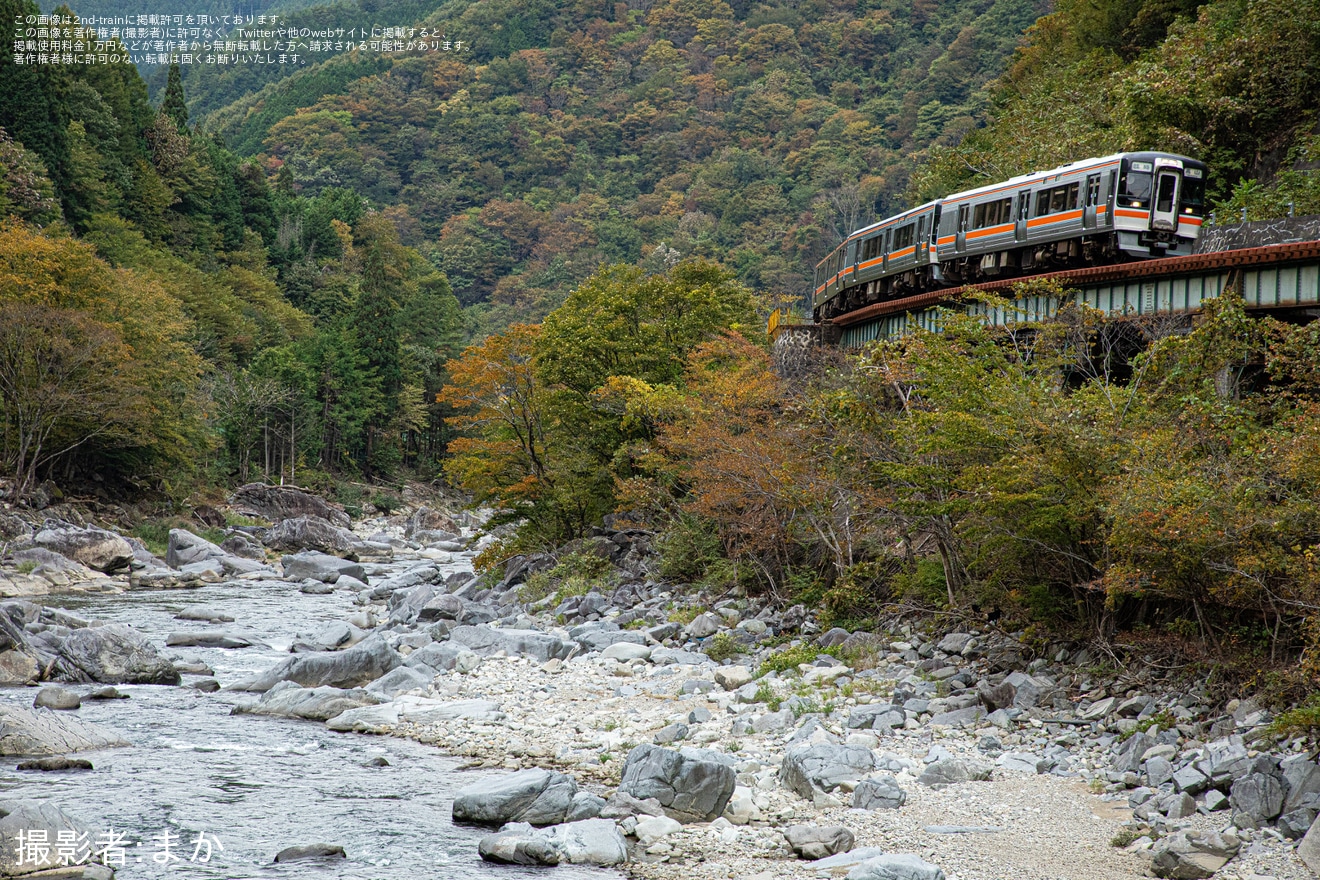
column 605, row 733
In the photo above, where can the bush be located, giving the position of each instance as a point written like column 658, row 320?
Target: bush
column 722, row 647
column 386, row 502
column 688, row 547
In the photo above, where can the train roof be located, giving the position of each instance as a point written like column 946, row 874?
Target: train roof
column 1069, row 168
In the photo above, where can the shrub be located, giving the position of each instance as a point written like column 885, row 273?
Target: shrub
column 722, row 647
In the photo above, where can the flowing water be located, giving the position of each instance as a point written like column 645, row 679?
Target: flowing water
column 249, row 786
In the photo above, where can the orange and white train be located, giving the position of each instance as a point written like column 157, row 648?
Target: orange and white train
column 1121, row 207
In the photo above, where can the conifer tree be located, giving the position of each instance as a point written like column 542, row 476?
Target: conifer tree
column 174, row 105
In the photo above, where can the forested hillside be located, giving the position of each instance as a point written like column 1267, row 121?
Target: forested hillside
column 575, row 134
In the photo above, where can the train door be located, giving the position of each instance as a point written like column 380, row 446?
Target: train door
column 884, row 248
column 1164, row 206
column 1092, row 201
column 1023, row 212
column 920, row 253
column 964, row 217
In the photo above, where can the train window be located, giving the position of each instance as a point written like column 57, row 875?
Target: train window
column 1092, row 190
column 1136, row 188
column 1193, row 192
column 978, row 217
column 1168, row 188
column 903, row 236
column 1042, row 203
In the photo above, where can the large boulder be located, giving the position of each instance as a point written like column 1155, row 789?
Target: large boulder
column 1309, row 848
column 1186, row 855
column 27, row 732
column 310, row 533
column 443, row 657
column 95, row 548
column 538, row 797
column 428, row 520
column 289, row 700
column 276, row 503
column 693, row 785
column 1256, row 798
column 186, row 549
column 487, row 640
column 812, row 767
column 320, row 567
column 818, row 841
column 895, row 866
column 49, row 820
column 114, row 653
column 879, row 793
column 587, row 842
column 353, row 667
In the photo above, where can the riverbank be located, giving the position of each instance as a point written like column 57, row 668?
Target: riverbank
column 966, row 756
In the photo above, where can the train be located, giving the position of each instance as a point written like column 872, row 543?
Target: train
column 1127, row 206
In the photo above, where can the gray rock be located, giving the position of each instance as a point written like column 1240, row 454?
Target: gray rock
column 1158, row 772
column 320, row 567
column 896, row 866
column 1128, row 758
column 209, row 639
column 1178, row 806
column 192, row 554
column 997, row 697
column 537, row 797
column 25, row 732
column 809, row 768
column 879, row 793
column 245, row 546
column 1295, row 824
column 621, row 805
column 954, row 643
column 112, row 654
column 772, row 721
column 204, row 614
column 1185, row 855
column 443, row 657
column 56, row 698
column 311, row 851
column 946, row 771
column 275, row 503
column 1190, row 780
column 818, row 841
column 354, row 667
column 336, row 635
column 864, row 717
column 703, row 626
column 1225, row 760
column 1257, row 796
column 587, row 842
column 958, row 717
column 693, row 785
column 1303, row 778
column 310, row 533
column 671, row 733
column 399, row 680
column 1309, row 849
column 585, row 806
column 288, row 700
column 95, row 548
column 41, row 816
column 485, row 641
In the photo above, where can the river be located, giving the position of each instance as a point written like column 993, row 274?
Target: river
column 249, row 786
